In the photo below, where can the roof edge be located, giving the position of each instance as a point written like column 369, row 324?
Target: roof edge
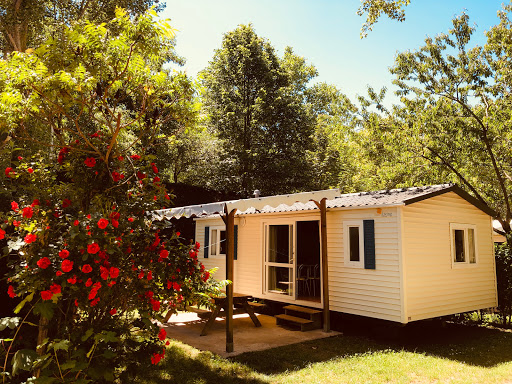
column 461, row 193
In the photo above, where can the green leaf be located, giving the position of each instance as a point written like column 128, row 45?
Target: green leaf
column 61, row 345
column 87, row 334
column 23, row 359
column 68, row 365
column 20, row 306
column 9, row 322
column 45, row 309
column 109, row 376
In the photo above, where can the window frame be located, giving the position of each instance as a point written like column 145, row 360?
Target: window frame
column 217, row 242
column 463, row 227
column 346, row 243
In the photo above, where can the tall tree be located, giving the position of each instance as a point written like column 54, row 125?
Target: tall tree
column 457, row 110
column 25, row 23
column 255, row 102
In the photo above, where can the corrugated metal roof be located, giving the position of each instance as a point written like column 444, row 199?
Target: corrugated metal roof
column 390, row 197
column 300, row 202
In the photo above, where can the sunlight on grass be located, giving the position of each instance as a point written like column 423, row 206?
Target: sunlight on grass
column 464, row 355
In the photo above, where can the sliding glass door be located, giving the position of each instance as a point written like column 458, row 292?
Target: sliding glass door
column 279, row 260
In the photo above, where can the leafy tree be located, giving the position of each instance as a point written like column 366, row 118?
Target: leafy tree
column 26, row 23
column 394, row 9
column 255, row 104
column 456, row 109
column 84, row 255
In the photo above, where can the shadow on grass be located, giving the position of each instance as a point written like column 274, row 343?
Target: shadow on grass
column 185, row 365
column 470, row 345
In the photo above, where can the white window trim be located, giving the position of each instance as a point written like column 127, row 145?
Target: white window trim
column 218, row 228
column 346, row 241
column 463, row 227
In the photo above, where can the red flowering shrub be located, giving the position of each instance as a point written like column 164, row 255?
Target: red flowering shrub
column 70, row 270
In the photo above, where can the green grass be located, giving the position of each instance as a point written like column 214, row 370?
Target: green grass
column 422, row 354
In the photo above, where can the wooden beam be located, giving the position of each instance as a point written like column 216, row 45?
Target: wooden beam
column 325, row 270
column 229, row 219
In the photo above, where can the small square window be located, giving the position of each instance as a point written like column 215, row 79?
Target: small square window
column 217, row 242
column 463, row 244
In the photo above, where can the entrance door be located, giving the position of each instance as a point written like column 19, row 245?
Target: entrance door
column 279, row 260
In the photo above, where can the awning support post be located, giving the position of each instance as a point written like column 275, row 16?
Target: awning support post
column 229, row 220
column 325, row 270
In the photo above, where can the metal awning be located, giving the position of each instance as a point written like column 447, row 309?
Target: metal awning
column 243, row 205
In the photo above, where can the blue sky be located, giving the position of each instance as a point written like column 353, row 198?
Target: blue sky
column 325, row 32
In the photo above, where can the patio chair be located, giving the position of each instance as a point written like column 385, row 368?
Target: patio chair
column 303, row 278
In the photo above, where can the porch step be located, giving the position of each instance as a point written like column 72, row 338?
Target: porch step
column 304, row 324
column 306, row 313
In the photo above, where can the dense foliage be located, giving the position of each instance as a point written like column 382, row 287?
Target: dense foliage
column 80, row 116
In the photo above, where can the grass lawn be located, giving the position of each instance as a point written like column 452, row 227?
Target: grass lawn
column 421, row 354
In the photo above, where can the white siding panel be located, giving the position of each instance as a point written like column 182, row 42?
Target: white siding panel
column 434, row 287
column 364, row 292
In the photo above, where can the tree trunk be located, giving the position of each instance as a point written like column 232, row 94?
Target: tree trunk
column 15, row 30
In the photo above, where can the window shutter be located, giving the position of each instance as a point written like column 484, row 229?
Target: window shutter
column 236, row 242
column 206, row 241
column 369, row 244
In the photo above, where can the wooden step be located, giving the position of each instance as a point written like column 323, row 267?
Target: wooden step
column 255, row 304
column 304, row 324
column 296, row 308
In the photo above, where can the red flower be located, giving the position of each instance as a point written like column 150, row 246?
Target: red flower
column 10, row 292
column 93, row 248
column 55, row 288
column 135, row 157
column 115, row 223
column 156, row 179
column 20, row 158
column 141, row 275
column 153, row 166
column 9, row 171
column 35, row 202
column 102, row 223
column 66, row 203
column 90, row 162
column 43, row 263
column 178, row 234
column 88, row 283
column 114, row 272
column 27, row 212
column 2, row 234
column 72, row 280
column 86, row 268
column 116, row 176
column 156, row 305
column 113, row 311
column 30, row 170
column 64, row 254
column 120, row 158
column 76, row 223
column 104, row 273
column 62, row 154
column 176, row 286
column 16, row 223
column 30, row 238
column 150, row 276
column 95, row 301
column 14, row 206
column 206, row 276
column 130, row 219
column 67, row 265
column 164, row 253
column 89, row 216
column 141, row 175
column 162, row 335
column 58, row 273
column 46, row 295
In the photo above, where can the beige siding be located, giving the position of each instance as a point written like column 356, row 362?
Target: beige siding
column 359, row 291
column 372, row 293
column 433, row 286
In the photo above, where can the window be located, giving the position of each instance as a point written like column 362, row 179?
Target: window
column 354, row 244
column 217, row 241
column 463, row 244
